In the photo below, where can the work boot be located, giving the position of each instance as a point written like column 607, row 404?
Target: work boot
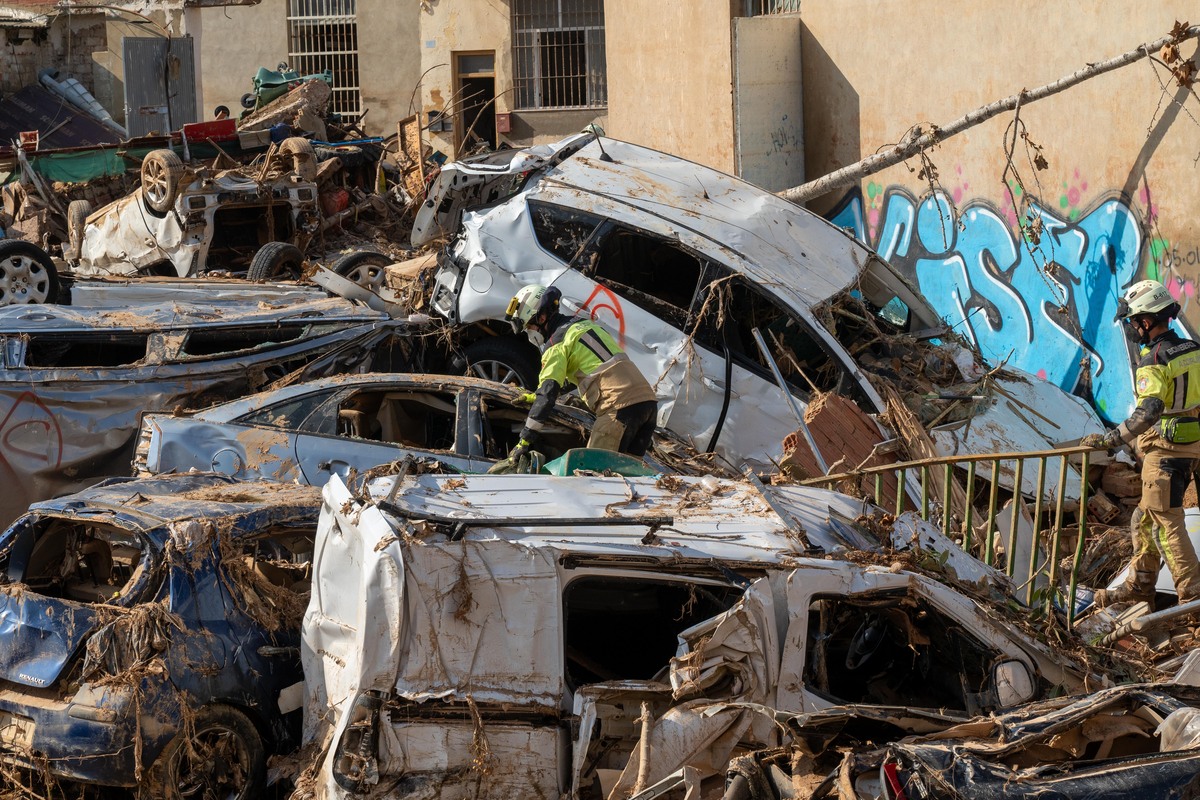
column 1122, row 594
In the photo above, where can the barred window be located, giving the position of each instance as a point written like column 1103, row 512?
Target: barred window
column 558, row 54
column 758, row 8
column 323, row 34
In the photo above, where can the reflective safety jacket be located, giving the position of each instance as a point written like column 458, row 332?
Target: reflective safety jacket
column 581, row 353
column 1168, row 391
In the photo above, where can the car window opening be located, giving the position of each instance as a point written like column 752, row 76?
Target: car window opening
column 893, row 651
column 1122, row 729
column 92, row 350
column 651, row 273
column 503, row 423
column 282, row 558
column 562, row 231
column 628, row 628
column 239, row 231
column 68, row 560
column 219, row 341
column 412, row 419
column 289, row 414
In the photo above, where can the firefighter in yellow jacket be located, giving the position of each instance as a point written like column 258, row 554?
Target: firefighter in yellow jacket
column 578, row 352
column 1167, row 430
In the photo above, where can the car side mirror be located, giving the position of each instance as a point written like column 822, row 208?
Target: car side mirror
column 1012, row 683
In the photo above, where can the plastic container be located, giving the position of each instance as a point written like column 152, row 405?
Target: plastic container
column 592, row 460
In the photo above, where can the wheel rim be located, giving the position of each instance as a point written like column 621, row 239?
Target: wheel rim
column 216, row 765
column 155, row 181
column 497, row 371
column 23, row 280
column 368, row 276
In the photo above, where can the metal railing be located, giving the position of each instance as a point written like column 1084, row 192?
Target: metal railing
column 914, row 485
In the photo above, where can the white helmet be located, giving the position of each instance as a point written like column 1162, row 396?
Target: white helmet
column 529, row 302
column 1145, row 297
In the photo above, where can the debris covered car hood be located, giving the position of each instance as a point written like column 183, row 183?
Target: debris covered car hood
column 656, row 248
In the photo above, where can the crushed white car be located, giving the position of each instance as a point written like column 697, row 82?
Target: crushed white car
column 714, row 286
column 509, row 631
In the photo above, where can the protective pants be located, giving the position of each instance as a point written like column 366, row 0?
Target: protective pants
column 1160, row 533
column 627, row 430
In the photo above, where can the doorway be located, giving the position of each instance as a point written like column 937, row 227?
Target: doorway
column 475, row 93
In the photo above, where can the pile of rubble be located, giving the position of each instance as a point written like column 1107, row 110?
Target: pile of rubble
column 856, row 563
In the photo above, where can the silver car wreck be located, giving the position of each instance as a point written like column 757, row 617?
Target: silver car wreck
column 714, row 286
column 306, row 432
column 74, row 379
column 184, row 220
column 504, row 636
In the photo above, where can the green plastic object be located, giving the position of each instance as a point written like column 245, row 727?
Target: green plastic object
column 597, row 461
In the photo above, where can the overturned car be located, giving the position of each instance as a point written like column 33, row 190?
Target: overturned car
column 511, row 633
column 720, row 292
column 185, row 220
column 151, row 635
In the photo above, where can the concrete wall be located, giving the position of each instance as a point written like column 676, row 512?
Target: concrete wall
column 233, row 43
column 1116, row 202
column 669, row 78
column 389, row 61
column 237, row 40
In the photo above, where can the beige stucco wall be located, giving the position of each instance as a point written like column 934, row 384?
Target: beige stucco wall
column 1118, row 198
column 389, row 61
column 234, row 42
column 669, row 78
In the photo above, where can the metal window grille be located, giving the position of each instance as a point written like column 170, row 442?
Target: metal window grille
column 323, row 34
column 558, row 54
column 758, row 8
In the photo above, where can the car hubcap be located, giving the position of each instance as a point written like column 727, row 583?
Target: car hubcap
column 215, row 765
column 23, row 280
column 368, row 276
column 154, row 182
column 496, row 371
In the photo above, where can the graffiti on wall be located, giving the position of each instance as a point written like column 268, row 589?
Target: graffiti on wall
column 1048, row 308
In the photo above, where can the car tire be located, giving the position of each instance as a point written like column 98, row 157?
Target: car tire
column 504, row 359
column 220, row 755
column 27, row 274
column 304, row 158
column 364, row 268
column 77, row 214
column 276, row 260
column 162, row 171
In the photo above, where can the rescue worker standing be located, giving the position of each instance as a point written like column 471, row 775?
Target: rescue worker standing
column 1167, row 431
column 579, row 352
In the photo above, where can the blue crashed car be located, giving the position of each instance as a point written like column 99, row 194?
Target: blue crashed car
column 150, row 634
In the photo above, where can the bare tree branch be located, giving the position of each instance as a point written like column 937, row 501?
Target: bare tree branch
column 918, row 140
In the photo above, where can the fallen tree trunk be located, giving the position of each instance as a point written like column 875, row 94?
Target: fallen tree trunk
column 918, row 140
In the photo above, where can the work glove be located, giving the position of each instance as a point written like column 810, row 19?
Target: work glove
column 1098, row 441
column 527, row 398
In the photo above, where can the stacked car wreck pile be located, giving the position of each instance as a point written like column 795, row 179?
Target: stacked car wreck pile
column 309, row 554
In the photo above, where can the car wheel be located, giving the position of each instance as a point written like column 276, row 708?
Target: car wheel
column 276, row 260
column 161, row 173
column 27, row 274
column 223, row 757
column 77, row 214
column 364, row 268
column 504, row 359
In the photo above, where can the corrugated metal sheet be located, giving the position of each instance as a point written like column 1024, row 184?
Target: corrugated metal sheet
column 160, row 84
column 60, row 123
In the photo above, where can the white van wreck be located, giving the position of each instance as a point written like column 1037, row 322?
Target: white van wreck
column 738, row 306
column 502, row 636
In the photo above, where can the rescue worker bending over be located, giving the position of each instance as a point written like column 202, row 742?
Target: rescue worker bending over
column 579, row 352
column 1167, row 431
